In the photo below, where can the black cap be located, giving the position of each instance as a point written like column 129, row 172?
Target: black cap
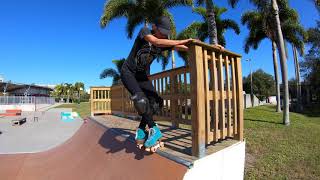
column 164, row 25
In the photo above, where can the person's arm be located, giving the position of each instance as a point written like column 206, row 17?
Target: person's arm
column 181, row 48
column 165, row 42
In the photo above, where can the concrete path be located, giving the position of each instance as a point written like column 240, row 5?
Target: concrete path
column 39, row 136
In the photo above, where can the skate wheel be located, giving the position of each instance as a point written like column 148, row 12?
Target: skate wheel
column 140, row 146
column 154, row 149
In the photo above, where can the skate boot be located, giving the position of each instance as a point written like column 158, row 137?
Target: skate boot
column 154, row 140
column 141, row 136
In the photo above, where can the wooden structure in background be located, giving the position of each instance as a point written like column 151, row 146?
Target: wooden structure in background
column 100, row 100
column 207, row 95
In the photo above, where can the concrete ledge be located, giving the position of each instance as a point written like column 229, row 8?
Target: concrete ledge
column 223, row 165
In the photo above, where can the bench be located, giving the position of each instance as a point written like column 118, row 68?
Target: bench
column 19, row 121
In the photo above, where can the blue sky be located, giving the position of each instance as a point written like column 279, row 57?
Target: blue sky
column 51, row 42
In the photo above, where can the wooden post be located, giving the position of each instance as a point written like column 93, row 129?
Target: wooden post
column 234, row 97
column 173, row 100
column 91, row 101
column 239, row 100
column 122, row 99
column 198, row 101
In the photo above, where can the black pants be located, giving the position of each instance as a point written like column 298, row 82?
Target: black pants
column 137, row 81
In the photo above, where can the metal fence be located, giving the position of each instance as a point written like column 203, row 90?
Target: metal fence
column 9, row 100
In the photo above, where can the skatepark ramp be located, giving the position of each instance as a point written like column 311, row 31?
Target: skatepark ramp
column 94, row 152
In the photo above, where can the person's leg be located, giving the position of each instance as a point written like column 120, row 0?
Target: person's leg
column 130, row 82
column 152, row 95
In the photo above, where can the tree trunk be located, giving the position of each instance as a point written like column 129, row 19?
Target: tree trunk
column 173, row 59
column 276, row 73
column 297, row 73
column 212, row 26
column 283, row 63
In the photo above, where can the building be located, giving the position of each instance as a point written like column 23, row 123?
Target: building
column 17, row 89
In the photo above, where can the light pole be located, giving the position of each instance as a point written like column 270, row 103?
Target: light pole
column 251, row 86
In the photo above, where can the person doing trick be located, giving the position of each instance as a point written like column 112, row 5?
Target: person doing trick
column 134, row 73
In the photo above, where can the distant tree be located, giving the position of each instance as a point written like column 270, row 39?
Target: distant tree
column 263, row 84
column 310, row 66
column 260, row 23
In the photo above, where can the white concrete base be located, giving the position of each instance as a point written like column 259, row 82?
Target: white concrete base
column 223, row 165
column 24, row 107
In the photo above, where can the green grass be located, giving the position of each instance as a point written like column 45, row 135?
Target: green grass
column 275, row 151
column 83, row 108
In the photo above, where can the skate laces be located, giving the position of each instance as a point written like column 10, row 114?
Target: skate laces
column 151, row 132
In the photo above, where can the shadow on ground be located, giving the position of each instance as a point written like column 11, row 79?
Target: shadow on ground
column 118, row 139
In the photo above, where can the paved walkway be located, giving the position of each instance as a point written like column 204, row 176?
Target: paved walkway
column 94, row 152
column 39, row 136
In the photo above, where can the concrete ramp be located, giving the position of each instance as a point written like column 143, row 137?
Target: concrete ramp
column 94, row 152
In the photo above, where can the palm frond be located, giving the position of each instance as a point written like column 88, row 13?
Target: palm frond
column 201, row 11
column 114, row 9
column 174, row 3
column 233, row 3
column 108, row 73
column 119, row 63
column 133, row 22
column 230, row 24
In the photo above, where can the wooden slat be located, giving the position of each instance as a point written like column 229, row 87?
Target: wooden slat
column 158, row 86
column 185, row 97
column 234, row 97
column 221, row 104
column 206, row 94
column 91, row 102
column 185, row 82
column 239, row 100
column 214, row 77
column 180, row 84
column 198, row 110
column 229, row 130
column 161, row 86
column 173, row 101
column 122, row 100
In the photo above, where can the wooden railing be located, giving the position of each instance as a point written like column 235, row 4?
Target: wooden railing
column 206, row 95
column 100, row 100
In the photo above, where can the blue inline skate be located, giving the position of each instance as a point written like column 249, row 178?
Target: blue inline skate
column 154, row 140
column 141, row 137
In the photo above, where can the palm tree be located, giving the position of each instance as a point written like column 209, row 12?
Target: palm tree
column 210, row 14
column 67, row 91
column 261, row 25
column 199, row 30
column 115, row 74
column 58, row 91
column 141, row 11
column 79, row 88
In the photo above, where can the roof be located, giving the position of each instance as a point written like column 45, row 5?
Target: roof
column 15, row 86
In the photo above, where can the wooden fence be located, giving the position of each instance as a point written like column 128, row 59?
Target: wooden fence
column 207, row 95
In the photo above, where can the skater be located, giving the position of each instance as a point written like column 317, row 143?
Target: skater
column 134, row 76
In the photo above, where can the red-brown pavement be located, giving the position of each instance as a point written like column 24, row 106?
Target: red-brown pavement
column 94, row 152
